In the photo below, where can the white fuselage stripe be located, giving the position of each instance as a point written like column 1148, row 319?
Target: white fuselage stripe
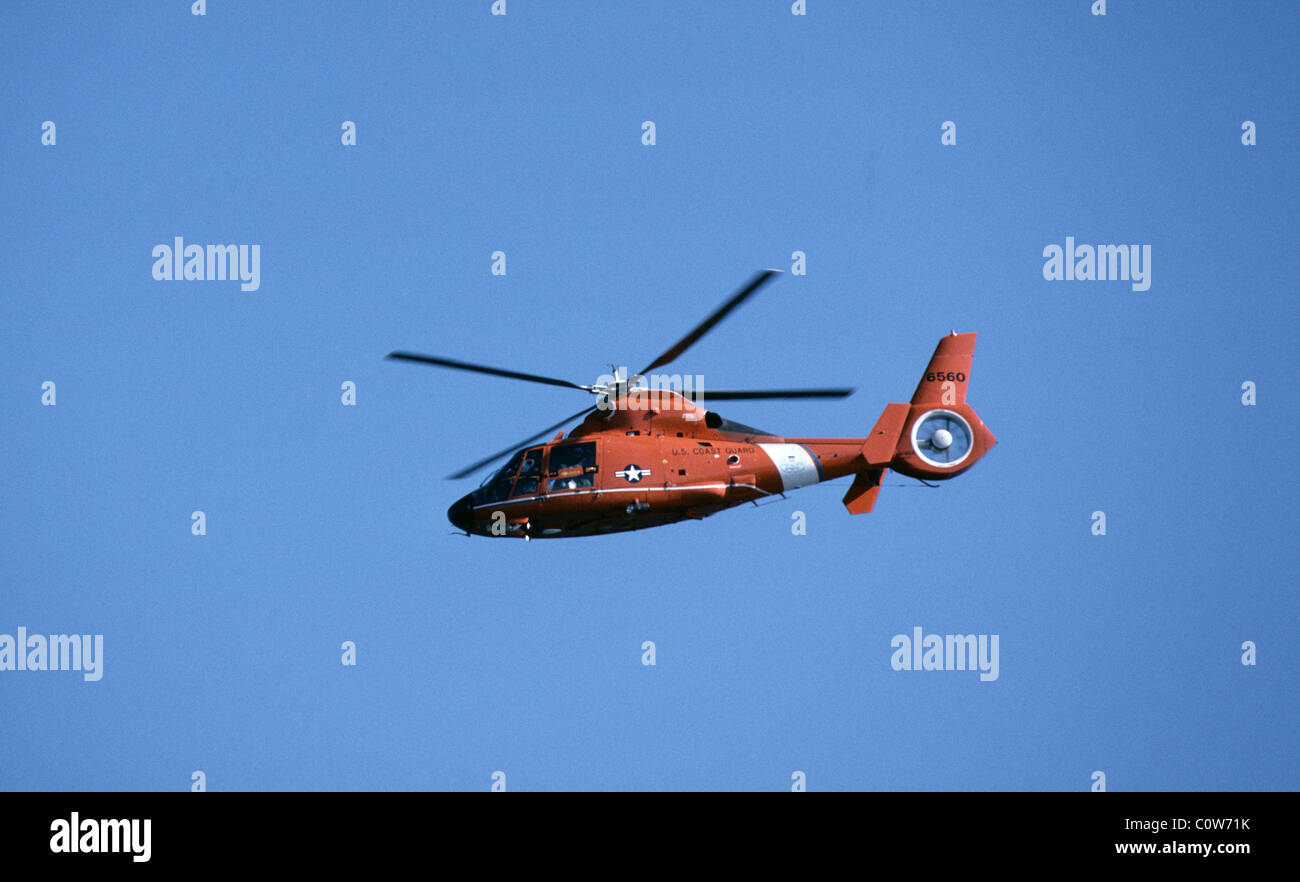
column 793, row 463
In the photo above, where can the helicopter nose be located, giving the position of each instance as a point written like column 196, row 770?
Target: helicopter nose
column 461, row 514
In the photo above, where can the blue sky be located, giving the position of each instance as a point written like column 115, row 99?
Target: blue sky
column 775, row 133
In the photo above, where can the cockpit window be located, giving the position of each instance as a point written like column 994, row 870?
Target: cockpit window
column 506, row 472
column 572, row 466
column 530, row 471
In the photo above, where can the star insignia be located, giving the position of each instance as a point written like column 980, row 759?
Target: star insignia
column 632, row 473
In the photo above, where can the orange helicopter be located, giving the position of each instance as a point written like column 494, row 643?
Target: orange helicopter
column 645, row 456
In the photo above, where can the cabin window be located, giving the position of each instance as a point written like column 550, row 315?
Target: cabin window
column 572, row 466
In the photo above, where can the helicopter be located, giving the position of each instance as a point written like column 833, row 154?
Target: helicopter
column 648, row 454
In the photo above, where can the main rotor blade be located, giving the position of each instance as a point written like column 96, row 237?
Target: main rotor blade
column 718, row 315
column 749, row 395
column 469, row 470
column 482, row 369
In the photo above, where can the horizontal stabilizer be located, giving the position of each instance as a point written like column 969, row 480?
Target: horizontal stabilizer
column 878, row 450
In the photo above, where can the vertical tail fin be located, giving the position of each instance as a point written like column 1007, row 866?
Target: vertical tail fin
column 945, row 378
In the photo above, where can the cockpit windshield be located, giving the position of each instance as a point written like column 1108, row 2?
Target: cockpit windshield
column 503, row 483
column 506, row 472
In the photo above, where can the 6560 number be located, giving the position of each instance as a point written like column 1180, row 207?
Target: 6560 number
column 951, row 376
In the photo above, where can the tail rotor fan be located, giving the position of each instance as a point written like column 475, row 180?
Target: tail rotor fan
column 942, row 438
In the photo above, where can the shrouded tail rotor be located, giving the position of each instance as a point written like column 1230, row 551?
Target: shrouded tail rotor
column 942, row 438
